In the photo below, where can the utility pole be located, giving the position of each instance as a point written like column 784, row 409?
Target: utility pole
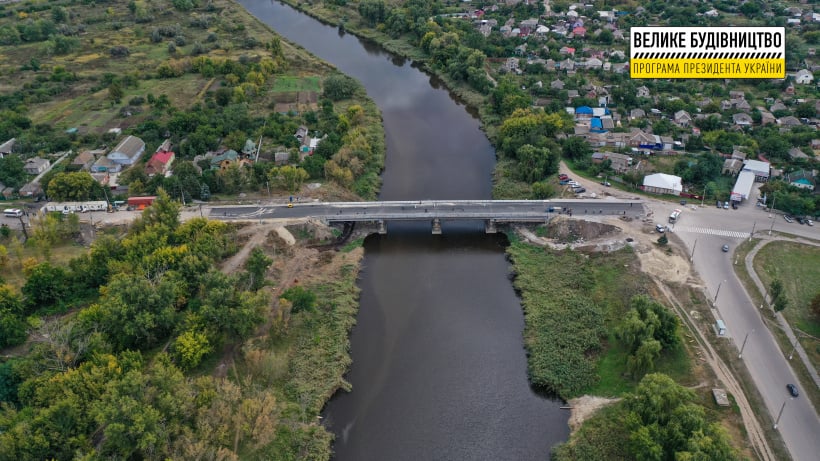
column 703, row 197
column 777, row 421
column 794, row 348
column 740, row 356
column 772, row 226
column 23, row 227
column 753, row 231
column 692, row 257
column 718, row 292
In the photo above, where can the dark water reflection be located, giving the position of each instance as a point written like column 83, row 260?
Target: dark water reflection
column 439, row 368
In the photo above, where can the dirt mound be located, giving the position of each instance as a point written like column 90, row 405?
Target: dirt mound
column 564, row 230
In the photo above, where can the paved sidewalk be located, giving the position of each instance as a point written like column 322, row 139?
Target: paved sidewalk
column 798, row 348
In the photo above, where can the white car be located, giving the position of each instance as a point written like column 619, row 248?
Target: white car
column 573, row 183
column 809, row 222
column 660, row 228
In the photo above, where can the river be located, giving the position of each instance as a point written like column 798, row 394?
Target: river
column 439, row 369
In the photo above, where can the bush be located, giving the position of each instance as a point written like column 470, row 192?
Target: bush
column 300, row 298
column 338, row 87
column 119, row 51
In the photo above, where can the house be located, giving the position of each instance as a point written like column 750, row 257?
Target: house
column 741, row 104
column 593, row 63
column 228, row 158
column 83, row 161
column 159, row 163
column 662, row 183
column 36, row 165
column 567, row 65
column 572, row 94
column 766, row 118
column 521, row 50
column 636, row 114
column 128, row 151
column 815, row 144
column 579, row 31
column 796, row 153
column 737, row 95
column 778, row 106
column 6, row 147
column 281, row 157
column 803, row 77
column 557, row 85
column 762, row 170
column 642, row 92
column 738, row 154
column 789, row 121
column 742, row 119
column 731, row 166
column 301, row 133
column 31, row 189
column 567, row 50
column 619, row 163
column 511, row 64
column 105, row 165
column 682, row 118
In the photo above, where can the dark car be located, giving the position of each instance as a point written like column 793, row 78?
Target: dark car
column 801, row 220
column 580, row 190
column 725, row 248
column 792, row 390
column 683, row 202
column 719, row 204
column 734, row 205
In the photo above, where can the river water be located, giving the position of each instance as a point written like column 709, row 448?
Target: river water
column 439, row 368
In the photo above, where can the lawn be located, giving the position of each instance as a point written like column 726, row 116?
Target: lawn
column 288, row 83
column 798, row 267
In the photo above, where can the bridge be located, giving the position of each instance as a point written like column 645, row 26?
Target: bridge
column 492, row 212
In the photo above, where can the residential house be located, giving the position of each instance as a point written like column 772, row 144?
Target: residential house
column 713, row 13
column 128, row 151
column 662, row 183
column 301, row 133
column 541, row 31
column 567, row 50
column 682, row 118
column 281, row 157
column 815, row 144
column 742, row 119
column 620, row 67
column 767, row 118
column 789, row 121
column 579, row 32
column 105, row 165
column 511, row 64
column 741, row 104
column 485, row 30
column 738, row 154
column 36, row 165
column 636, row 114
column 796, row 154
column 6, row 147
column 642, row 92
column 32, row 189
column 159, row 163
column 521, row 50
column 778, row 106
column 619, row 163
column 731, row 166
column 593, row 63
column 735, row 94
column 572, row 94
column 230, row 157
column 803, row 77
column 83, row 161
column 557, row 84
column 567, row 65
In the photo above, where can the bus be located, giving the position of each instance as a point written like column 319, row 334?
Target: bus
column 12, row 213
column 675, row 216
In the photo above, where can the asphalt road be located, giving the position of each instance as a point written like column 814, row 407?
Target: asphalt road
column 706, row 230
column 426, row 209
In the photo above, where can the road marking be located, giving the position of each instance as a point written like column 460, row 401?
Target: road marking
column 706, row 230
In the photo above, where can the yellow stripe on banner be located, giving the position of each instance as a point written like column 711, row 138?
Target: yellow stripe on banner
column 707, row 68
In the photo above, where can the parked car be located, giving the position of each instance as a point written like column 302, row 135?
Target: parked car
column 725, row 205
column 580, row 190
column 660, row 228
column 551, row 209
column 683, row 202
column 573, row 183
column 563, row 182
column 809, row 222
column 719, row 204
column 801, row 220
column 788, row 218
column 792, row 390
column 562, row 176
column 725, row 248
column 734, row 205
column 606, row 183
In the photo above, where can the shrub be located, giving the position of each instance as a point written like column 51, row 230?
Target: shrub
column 300, row 298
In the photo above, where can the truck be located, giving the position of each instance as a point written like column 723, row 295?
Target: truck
column 75, row 207
column 140, row 203
column 675, row 216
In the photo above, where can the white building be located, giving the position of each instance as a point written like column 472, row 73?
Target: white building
column 662, row 183
column 760, row 169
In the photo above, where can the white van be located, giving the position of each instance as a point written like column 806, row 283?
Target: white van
column 12, row 212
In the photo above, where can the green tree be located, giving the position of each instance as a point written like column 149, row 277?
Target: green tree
column 534, row 164
column 338, row 87
column 300, row 298
column 12, row 171
column 289, row 176
column 778, row 294
column 190, row 348
column 257, row 266
column 576, row 149
column 45, row 286
column 163, row 212
column 73, row 187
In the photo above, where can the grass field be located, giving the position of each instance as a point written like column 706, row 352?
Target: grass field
column 286, row 83
column 798, row 267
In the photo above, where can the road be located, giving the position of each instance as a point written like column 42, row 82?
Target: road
column 706, row 230
column 428, row 209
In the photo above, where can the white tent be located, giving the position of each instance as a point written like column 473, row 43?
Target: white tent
column 662, row 183
column 743, row 186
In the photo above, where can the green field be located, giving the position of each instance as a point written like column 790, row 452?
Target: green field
column 285, row 84
column 798, row 267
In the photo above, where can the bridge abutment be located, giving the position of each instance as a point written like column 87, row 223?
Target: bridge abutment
column 490, row 226
column 382, row 227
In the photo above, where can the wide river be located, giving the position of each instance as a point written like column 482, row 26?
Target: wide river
column 439, row 368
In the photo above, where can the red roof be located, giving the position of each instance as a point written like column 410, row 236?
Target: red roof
column 162, row 157
column 579, row 31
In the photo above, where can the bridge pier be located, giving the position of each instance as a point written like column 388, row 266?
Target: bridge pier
column 490, row 227
column 436, row 226
column 382, row 227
